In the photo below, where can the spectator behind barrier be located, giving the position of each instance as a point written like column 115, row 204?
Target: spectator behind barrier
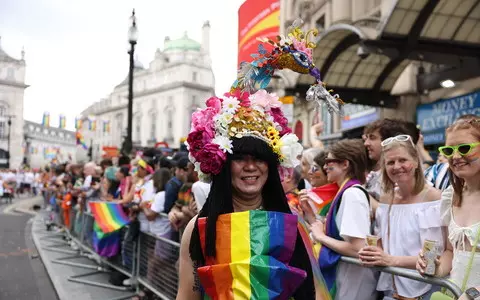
column 408, row 215
column 348, row 223
column 460, row 210
column 306, row 163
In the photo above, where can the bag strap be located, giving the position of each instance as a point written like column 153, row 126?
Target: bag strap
column 470, row 261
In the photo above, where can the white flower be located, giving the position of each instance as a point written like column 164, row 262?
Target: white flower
column 291, row 150
column 230, row 104
column 225, row 119
column 224, row 143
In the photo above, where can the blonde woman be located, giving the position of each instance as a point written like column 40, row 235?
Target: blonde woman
column 407, row 215
column 461, row 205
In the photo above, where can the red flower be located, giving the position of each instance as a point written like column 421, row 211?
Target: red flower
column 279, row 118
column 211, row 159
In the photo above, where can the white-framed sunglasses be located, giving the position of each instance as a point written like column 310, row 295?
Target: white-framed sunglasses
column 398, row 138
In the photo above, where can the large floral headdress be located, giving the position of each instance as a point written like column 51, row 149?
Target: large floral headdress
column 236, row 115
column 249, row 110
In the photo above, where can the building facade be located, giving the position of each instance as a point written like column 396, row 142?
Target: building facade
column 385, row 58
column 12, row 88
column 43, row 144
column 176, row 83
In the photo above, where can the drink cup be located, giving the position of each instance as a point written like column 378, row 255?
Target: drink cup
column 430, row 254
column 371, row 240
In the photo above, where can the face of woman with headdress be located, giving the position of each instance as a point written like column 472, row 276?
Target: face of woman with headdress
column 399, row 163
column 248, row 176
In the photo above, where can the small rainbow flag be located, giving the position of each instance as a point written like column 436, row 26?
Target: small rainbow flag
column 105, row 244
column 81, row 140
column 78, row 123
column 46, row 119
column 106, row 126
column 62, row 122
column 109, row 216
column 322, row 197
column 253, row 249
column 92, row 125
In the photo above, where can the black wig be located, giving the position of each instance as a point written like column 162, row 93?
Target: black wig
column 219, row 201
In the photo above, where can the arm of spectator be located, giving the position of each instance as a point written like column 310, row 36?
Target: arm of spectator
column 375, row 256
column 188, row 287
column 171, row 195
column 346, row 248
column 315, row 131
column 128, row 196
column 443, row 263
column 149, row 213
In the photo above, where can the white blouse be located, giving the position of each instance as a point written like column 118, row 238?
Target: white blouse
column 458, row 236
column 410, row 225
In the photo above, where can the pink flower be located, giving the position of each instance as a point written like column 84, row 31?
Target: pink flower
column 243, row 97
column 279, row 118
column 265, row 100
column 302, row 47
column 203, row 118
column 197, row 139
column 211, row 159
column 215, row 103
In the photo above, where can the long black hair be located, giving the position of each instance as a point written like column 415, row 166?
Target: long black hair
column 219, row 201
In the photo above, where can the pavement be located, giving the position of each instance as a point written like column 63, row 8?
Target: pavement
column 22, row 273
column 42, row 277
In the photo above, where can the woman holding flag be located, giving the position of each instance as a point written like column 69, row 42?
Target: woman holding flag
column 347, row 225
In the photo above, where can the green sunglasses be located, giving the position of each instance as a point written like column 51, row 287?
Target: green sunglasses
column 463, row 149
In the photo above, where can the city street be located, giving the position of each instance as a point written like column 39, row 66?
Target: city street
column 22, row 275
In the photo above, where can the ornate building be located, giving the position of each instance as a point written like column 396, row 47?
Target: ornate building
column 175, row 84
column 44, row 144
column 12, row 87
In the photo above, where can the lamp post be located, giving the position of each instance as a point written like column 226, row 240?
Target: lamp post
column 132, row 39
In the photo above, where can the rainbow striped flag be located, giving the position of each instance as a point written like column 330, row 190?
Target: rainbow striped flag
column 78, row 123
column 46, row 119
column 109, row 216
column 253, row 249
column 62, row 122
column 81, row 140
column 105, row 244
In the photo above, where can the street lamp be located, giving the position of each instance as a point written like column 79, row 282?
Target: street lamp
column 132, row 39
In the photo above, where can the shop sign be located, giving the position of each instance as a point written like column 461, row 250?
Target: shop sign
column 356, row 115
column 435, row 117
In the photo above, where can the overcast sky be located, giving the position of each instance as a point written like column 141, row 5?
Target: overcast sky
column 76, row 50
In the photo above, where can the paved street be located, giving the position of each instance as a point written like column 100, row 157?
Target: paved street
column 22, row 273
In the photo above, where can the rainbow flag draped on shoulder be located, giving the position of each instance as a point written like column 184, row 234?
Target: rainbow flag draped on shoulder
column 252, row 257
column 109, row 218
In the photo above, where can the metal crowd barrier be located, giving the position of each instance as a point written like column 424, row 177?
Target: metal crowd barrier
column 152, row 261
column 410, row 274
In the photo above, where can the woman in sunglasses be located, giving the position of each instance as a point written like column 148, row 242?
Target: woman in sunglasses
column 407, row 215
column 347, row 223
column 461, row 205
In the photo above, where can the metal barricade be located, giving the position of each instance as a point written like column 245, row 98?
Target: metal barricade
column 158, row 263
column 410, row 274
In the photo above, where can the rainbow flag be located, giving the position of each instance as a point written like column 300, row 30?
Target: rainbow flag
column 92, row 125
column 62, row 122
column 46, row 119
column 253, row 249
column 105, row 244
column 322, row 197
column 78, row 123
column 109, row 216
column 106, row 126
column 81, row 140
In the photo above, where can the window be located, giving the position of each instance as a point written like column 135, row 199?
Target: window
column 194, row 76
column 137, row 127
column 153, row 126
column 10, row 73
column 320, row 23
column 3, row 111
column 3, row 131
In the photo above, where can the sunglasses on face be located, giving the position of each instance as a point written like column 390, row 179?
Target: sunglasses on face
column 315, row 168
column 398, row 138
column 462, row 149
column 332, row 160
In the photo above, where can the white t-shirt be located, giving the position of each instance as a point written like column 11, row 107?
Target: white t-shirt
column 200, row 192
column 353, row 220
column 144, row 192
column 29, row 177
column 161, row 225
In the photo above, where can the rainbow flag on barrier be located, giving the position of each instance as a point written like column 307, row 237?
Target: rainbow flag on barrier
column 252, row 257
column 105, row 244
column 109, row 216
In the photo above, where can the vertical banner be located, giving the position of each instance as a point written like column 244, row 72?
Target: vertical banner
column 46, row 119
column 92, row 124
column 256, row 19
column 106, row 126
column 62, row 122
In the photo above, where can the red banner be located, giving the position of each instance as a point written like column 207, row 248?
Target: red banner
column 256, row 19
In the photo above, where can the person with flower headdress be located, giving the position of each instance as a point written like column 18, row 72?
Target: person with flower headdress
column 240, row 142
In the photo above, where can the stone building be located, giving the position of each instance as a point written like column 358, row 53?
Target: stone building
column 166, row 92
column 12, row 87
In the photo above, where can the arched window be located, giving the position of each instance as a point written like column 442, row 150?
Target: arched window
column 153, row 126
column 138, row 121
column 3, row 122
column 299, row 130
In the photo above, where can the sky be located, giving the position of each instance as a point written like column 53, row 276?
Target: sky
column 76, row 50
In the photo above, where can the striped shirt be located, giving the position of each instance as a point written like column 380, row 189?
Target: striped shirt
column 437, row 176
